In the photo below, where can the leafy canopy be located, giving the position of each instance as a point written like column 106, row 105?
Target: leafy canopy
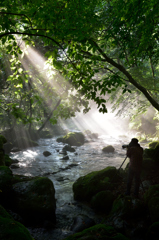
column 98, row 46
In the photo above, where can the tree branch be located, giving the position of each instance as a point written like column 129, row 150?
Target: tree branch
column 127, row 74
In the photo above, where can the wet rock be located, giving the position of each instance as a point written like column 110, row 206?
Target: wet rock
column 15, row 161
column 103, row 201
column 73, row 139
column 82, row 222
column 127, row 207
column 61, row 179
column 35, row 200
column 108, row 149
column 46, row 153
column 15, row 149
column 87, row 186
column 68, row 148
column 99, row 231
column 152, row 232
column 151, row 198
column 5, row 185
column 14, row 166
column 7, row 147
column 64, row 152
column 8, row 160
column 65, row 157
column 11, row 229
column 90, row 135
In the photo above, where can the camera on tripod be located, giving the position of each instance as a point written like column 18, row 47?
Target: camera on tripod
column 125, row 146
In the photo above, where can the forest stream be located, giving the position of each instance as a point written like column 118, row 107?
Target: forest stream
column 63, row 173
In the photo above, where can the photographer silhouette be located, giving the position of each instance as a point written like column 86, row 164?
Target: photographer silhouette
column 135, row 154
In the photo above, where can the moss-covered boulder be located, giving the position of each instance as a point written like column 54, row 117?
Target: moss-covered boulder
column 100, row 231
column 153, row 144
column 3, row 140
column 108, row 149
column 127, row 207
column 34, row 200
column 103, row 201
column 8, row 160
column 68, row 148
column 152, row 232
column 5, row 184
column 2, row 154
column 151, row 198
column 152, row 152
column 72, row 138
column 86, row 187
column 11, row 229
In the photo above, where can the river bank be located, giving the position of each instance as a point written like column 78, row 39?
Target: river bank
column 63, row 173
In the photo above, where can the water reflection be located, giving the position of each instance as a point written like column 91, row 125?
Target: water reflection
column 64, row 173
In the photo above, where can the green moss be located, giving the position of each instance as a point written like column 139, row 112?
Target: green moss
column 2, row 141
column 103, row 201
column 8, row 160
column 4, row 213
column 128, row 207
column 99, row 231
column 152, row 152
column 72, row 138
column 152, row 192
column 154, row 209
column 86, row 187
column 153, row 144
column 10, row 229
column 5, row 177
column 35, row 200
column 108, row 149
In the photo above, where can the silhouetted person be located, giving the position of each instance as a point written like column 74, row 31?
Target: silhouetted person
column 135, row 153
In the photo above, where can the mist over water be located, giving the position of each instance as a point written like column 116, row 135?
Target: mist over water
column 104, row 124
column 89, row 157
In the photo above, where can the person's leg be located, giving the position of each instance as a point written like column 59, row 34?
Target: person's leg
column 129, row 181
column 137, row 184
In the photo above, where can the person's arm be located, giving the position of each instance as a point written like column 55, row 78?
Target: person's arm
column 128, row 153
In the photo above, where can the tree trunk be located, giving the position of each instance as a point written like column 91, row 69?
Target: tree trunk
column 153, row 102
column 50, row 115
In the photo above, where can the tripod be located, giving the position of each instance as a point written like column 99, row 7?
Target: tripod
column 119, row 169
column 122, row 163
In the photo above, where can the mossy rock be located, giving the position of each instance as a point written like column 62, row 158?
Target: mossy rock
column 8, row 160
column 34, row 200
column 108, row 149
column 99, row 231
column 11, row 229
column 153, row 144
column 5, row 184
column 126, row 207
column 87, row 186
column 152, row 232
column 103, row 201
column 148, row 164
column 3, row 140
column 73, row 139
column 152, row 152
column 152, row 192
column 151, row 198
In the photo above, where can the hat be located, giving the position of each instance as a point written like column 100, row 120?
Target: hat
column 134, row 141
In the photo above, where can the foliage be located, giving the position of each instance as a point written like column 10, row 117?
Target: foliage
column 100, row 47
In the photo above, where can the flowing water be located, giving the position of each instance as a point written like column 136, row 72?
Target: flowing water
column 64, row 173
